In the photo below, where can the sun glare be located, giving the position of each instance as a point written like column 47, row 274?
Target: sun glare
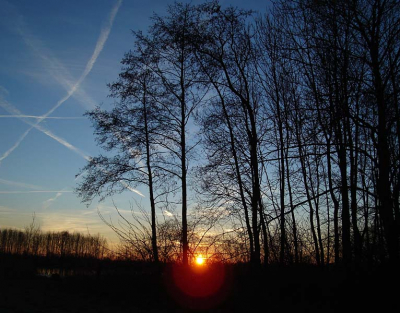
column 199, row 260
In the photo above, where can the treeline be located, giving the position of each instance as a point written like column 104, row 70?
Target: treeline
column 280, row 127
column 34, row 242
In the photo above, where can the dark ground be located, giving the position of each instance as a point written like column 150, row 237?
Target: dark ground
column 141, row 288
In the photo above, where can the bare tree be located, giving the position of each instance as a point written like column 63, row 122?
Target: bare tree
column 225, row 55
column 180, row 93
column 130, row 130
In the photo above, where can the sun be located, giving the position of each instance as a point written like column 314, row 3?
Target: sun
column 200, row 260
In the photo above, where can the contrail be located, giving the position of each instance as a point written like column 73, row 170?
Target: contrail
column 130, row 188
column 48, row 117
column 35, row 191
column 48, row 202
column 100, row 42
column 99, row 47
column 63, row 142
column 12, row 110
column 54, row 63
column 104, row 33
column 9, row 151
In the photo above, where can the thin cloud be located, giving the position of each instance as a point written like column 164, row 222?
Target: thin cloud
column 92, row 212
column 74, row 221
column 18, row 184
column 60, row 222
column 4, row 209
column 3, row 91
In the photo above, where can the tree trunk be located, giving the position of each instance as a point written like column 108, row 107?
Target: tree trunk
column 151, row 189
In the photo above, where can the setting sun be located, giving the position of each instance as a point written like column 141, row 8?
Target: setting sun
column 199, row 260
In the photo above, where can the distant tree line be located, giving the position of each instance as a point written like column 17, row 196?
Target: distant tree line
column 32, row 241
column 279, row 129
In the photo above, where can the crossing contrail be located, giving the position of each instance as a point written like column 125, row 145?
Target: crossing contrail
column 99, row 47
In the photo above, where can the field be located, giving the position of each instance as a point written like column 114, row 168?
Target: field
column 115, row 286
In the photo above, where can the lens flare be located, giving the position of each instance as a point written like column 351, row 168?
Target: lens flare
column 198, row 287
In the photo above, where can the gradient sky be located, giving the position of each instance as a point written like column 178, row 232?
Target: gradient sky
column 56, row 58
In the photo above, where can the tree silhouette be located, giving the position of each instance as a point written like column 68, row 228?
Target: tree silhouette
column 299, row 126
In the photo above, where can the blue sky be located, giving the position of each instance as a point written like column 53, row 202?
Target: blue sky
column 56, row 58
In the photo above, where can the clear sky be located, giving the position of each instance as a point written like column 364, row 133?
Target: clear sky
column 56, row 57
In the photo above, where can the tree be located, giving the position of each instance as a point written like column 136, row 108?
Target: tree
column 377, row 27
column 225, row 52
column 131, row 130
column 178, row 94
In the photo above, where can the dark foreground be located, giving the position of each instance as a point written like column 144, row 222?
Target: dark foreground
column 141, row 288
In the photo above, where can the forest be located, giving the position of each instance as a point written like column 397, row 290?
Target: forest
column 272, row 137
column 268, row 143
